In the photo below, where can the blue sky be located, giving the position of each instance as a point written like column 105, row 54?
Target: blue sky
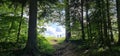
column 54, row 29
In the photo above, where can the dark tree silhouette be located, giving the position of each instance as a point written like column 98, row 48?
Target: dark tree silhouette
column 118, row 18
column 67, row 21
column 82, row 20
column 31, row 45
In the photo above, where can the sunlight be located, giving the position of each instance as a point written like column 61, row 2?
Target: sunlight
column 54, row 30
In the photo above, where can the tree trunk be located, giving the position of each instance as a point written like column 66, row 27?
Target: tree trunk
column 20, row 23
column 100, row 23
column 88, row 20
column 105, row 25
column 105, row 30
column 118, row 18
column 109, row 22
column 82, row 21
column 31, row 45
column 67, row 21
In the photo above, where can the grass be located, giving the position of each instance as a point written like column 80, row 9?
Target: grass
column 84, row 50
column 53, row 40
column 44, row 46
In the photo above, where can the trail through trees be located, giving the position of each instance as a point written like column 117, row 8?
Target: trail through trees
column 64, row 49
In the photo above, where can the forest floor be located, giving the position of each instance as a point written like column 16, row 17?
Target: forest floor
column 63, row 48
column 74, row 48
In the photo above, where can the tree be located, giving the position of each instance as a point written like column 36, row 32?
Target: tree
column 82, row 20
column 67, row 21
column 31, row 45
column 88, row 19
column 109, row 21
column 118, row 18
column 20, row 23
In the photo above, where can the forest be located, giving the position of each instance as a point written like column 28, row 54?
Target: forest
column 92, row 27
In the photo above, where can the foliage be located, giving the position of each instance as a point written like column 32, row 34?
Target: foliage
column 92, row 25
column 44, row 46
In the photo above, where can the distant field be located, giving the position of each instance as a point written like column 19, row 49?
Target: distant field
column 53, row 40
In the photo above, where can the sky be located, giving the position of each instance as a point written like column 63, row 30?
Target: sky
column 54, row 29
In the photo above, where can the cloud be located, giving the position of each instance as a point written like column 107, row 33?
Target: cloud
column 58, row 29
column 55, row 30
column 50, row 31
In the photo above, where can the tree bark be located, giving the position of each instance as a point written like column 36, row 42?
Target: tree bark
column 109, row 22
column 88, row 20
column 31, row 45
column 67, row 21
column 20, row 23
column 118, row 18
column 100, row 23
column 82, row 21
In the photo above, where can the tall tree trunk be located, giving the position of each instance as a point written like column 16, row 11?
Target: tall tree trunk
column 88, row 20
column 82, row 21
column 105, row 30
column 20, row 23
column 67, row 21
column 109, row 21
column 31, row 45
column 100, row 23
column 118, row 18
column 105, row 25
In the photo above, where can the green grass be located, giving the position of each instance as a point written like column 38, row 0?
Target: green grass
column 84, row 50
column 44, row 46
column 53, row 40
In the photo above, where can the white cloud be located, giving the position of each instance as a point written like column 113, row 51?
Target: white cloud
column 55, row 30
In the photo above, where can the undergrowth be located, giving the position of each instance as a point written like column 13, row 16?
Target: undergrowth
column 7, row 49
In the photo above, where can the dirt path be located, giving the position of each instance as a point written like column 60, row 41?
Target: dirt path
column 64, row 49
